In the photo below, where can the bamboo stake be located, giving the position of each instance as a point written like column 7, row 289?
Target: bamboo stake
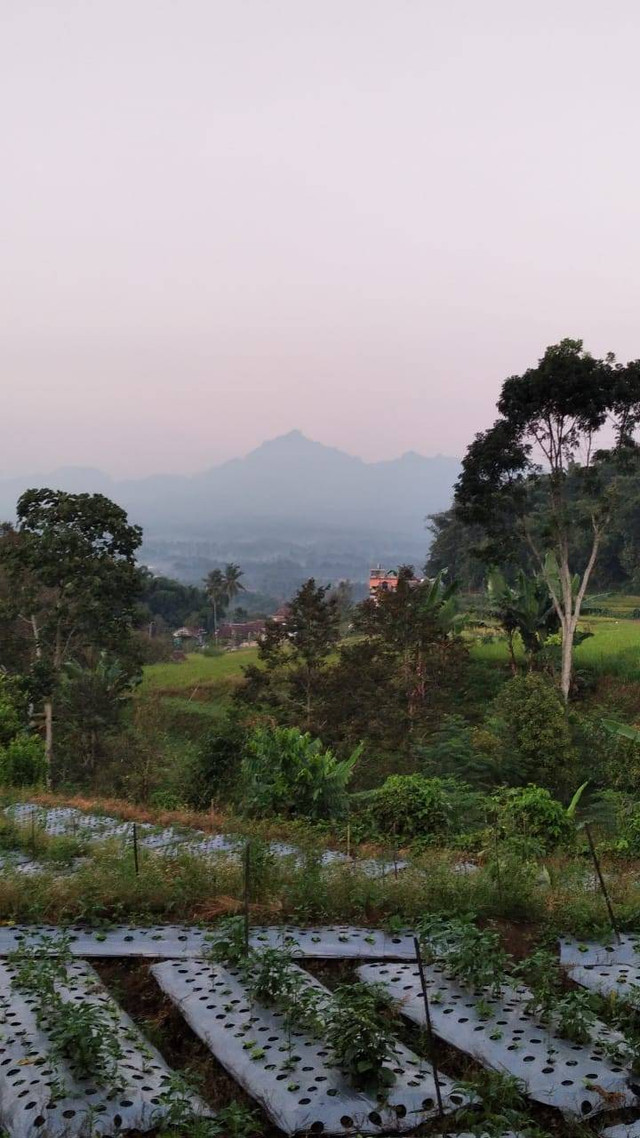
column 603, row 887
column 432, row 1048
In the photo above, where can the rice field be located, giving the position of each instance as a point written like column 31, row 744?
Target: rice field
column 613, row 647
column 196, row 671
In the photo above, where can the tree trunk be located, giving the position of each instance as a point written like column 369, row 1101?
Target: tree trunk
column 567, row 607
column 568, row 630
column 512, row 655
column 48, row 739
column 48, row 710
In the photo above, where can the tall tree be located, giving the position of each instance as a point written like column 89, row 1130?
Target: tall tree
column 417, row 621
column 294, row 653
column 548, row 429
column 75, row 583
column 216, row 589
column 232, row 583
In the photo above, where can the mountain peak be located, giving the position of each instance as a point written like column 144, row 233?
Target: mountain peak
column 290, row 439
column 294, row 445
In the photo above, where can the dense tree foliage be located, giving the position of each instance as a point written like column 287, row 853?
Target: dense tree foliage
column 293, row 657
column 515, row 476
column 171, row 602
column 387, row 682
column 73, row 589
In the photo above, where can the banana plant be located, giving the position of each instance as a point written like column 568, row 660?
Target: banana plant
column 524, row 608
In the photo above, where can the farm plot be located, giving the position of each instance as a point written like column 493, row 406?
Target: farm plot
column 51, row 1084
column 624, row 949
column 620, row 980
column 609, row 969
column 500, row 1033
column 288, row 1072
column 61, row 821
column 184, row 942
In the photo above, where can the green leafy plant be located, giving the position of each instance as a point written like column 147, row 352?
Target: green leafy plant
column 413, row 806
column 285, row 771
column 361, row 1034
column 22, row 761
column 531, row 723
column 81, row 1033
column 473, row 956
column 540, row 973
column 228, row 944
column 575, row 1017
column 531, row 812
column 497, row 1103
column 272, row 979
column 179, row 1116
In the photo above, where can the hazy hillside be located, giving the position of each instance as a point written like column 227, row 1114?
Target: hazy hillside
column 290, row 508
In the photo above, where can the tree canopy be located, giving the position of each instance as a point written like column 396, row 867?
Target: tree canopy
column 515, row 480
column 70, row 565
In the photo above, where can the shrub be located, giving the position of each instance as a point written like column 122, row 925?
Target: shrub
column 628, row 842
column 9, row 717
column 531, row 812
column 612, row 760
column 413, row 806
column 458, row 749
column 361, row 1034
column 216, row 765
column 289, row 773
column 533, row 727
column 22, row 762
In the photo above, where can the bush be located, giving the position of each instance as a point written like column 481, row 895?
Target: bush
column 412, row 806
column 531, row 812
column 533, row 728
column 216, row 764
column 289, row 773
column 22, row 762
column 10, row 719
column 628, row 841
column 611, row 760
column 458, row 749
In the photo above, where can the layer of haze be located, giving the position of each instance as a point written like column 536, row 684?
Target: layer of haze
column 221, row 220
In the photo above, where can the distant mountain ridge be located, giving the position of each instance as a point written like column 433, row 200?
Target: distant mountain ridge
column 289, row 491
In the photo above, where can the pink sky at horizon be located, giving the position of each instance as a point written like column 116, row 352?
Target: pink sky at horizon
column 220, row 221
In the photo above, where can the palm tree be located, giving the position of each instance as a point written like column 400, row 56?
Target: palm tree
column 215, row 587
column 231, row 577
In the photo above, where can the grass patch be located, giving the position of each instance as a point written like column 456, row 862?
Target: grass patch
column 613, row 648
column 197, row 671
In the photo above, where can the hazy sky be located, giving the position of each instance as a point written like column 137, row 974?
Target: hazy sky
column 221, row 220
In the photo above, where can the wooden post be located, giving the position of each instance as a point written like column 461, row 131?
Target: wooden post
column 427, row 1013
column 603, row 887
column 497, row 857
column 247, row 875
